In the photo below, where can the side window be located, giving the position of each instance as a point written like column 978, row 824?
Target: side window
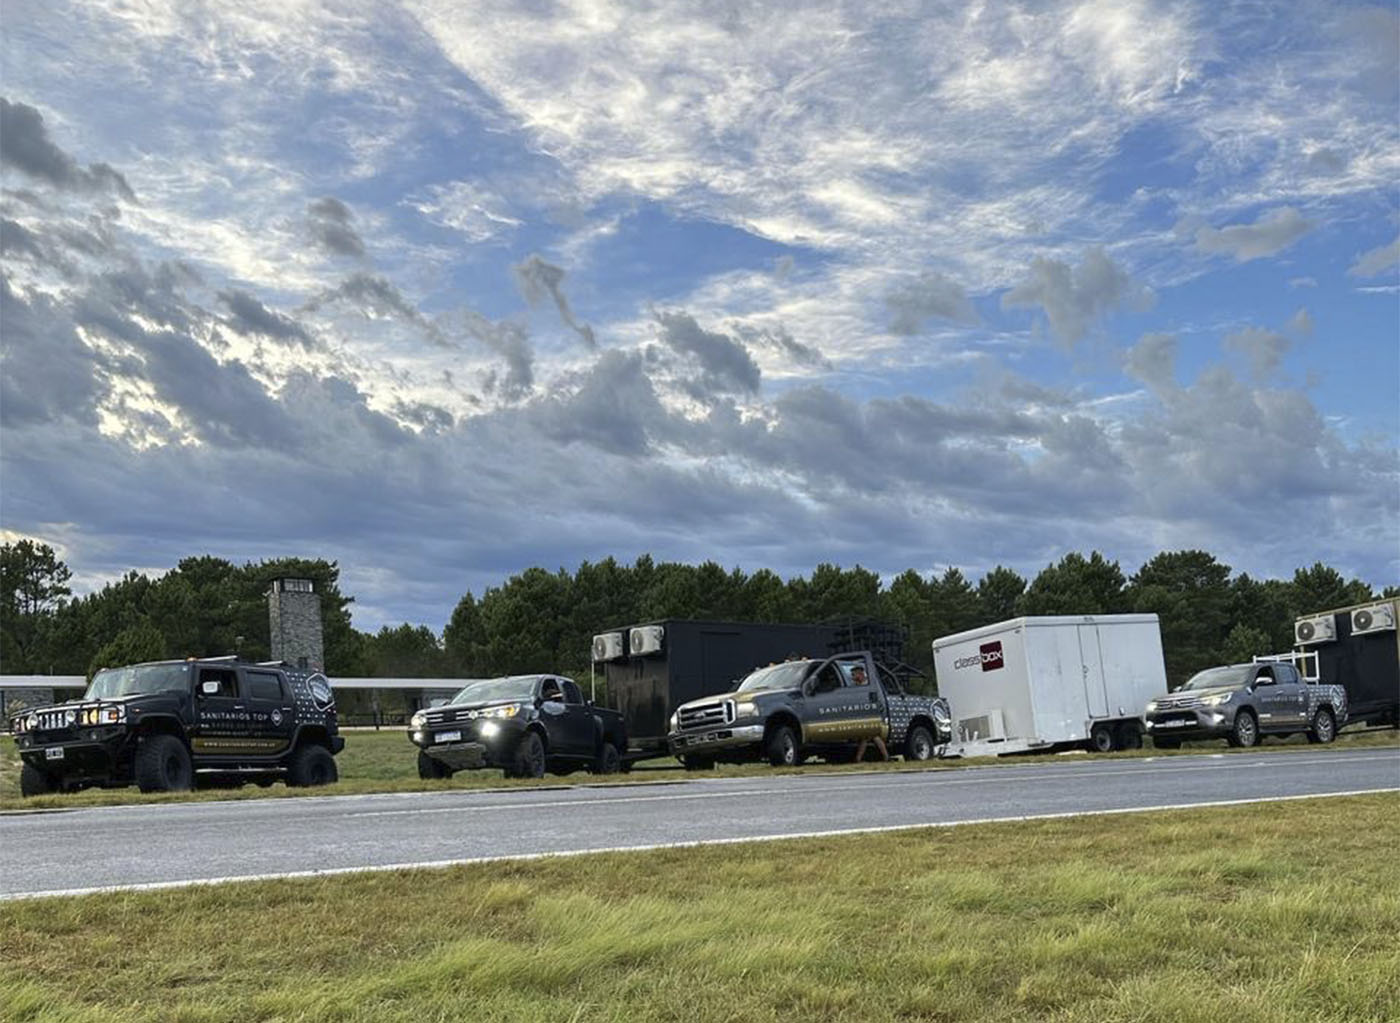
column 549, row 690
column 1265, row 675
column 264, row 685
column 828, row 679
column 227, row 680
column 571, row 693
column 1285, row 674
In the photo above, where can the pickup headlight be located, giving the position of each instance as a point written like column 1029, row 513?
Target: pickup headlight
column 674, row 724
column 745, row 709
column 1151, row 706
column 508, row 711
column 941, row 715
column 1218, row 700
column 417, row 721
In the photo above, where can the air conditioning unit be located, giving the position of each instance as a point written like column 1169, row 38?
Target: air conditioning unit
column 1322, row 629
column 1376, row 618
column 645, row 639
column 607, row 647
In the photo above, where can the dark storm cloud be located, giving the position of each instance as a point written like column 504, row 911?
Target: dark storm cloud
column 374, row 297
column 781, row 341
column 49, row 373
column 1270, row 234
column 726, row 365
column 512, row 343
column 929, row 296
column 332, row 227
column 1075, row 298
column 28, row 148
column 249, row 316
column 539, row 280
column 612, row 407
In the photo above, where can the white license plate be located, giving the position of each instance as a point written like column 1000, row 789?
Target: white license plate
column 1174, row 724
column 449, row 737
column 53, row 753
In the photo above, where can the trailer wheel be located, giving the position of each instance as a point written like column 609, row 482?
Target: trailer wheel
column 1129, row 735
column 428, row 768
column 1245, row 732
column 1101, row 739
column 918, row 745
column 781, row 747
column 1324, row 726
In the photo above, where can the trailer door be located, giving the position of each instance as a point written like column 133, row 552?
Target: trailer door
column 1091, row 661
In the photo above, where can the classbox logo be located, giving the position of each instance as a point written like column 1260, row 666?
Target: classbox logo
column 989, row 655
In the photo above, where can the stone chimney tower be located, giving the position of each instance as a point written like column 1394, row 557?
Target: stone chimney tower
column 294, row 610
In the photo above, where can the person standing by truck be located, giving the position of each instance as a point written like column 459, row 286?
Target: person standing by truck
column 858, row 679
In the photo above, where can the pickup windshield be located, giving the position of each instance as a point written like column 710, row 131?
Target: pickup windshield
column 138, row 680
column 1231, row 677
column 777, row 676
column 489, row 690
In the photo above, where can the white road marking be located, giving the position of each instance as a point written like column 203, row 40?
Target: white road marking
column 697, row 843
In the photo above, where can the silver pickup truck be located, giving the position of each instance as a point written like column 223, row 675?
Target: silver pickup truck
column 1242, row 702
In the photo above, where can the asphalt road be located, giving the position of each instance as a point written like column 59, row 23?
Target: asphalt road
column 182, row 843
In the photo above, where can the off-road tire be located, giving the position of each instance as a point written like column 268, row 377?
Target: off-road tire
column 694, row 762
column 163, row 765
column 311, row 765
column 34, row 782
column 918, row 744
column 608, row 761
column 781, row 747
column 1129, row 736
column 1101, row 739
column 1324, row 726
column 528, row 761
column 430, row 769
column 1245, row 731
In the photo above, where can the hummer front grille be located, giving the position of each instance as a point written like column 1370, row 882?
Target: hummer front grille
column 707, row 715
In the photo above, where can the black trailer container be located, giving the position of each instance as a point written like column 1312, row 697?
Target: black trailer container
column 1358, row 648
column 652, row 668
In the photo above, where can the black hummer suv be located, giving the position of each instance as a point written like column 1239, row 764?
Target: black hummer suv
column 523, row 724
column 785, row 712
column 1241, row 702
column 160, row 724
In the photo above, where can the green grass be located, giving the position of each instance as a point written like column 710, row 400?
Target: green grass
column 386, row 761
column 1252, row 914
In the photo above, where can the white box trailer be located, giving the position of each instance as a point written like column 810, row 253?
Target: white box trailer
column 1051, row 683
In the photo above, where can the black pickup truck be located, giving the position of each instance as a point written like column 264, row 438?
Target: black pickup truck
column 165, row 723
column 786, row 712
column 523, row 724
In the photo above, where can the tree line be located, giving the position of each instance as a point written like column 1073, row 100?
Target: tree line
column 538, row 620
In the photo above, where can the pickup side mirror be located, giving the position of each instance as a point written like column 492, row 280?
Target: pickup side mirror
column 209, row 689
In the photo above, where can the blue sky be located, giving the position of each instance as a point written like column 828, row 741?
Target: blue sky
column 443, row 292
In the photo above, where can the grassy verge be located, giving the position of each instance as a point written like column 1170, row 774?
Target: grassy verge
column 1252, row 914
column 386, row 762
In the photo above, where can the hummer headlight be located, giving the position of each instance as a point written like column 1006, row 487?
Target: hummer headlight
column 31, row 722
column 113, row 715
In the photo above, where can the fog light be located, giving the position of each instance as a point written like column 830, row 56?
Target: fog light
column 489, row 729
column 1217, row 718
column 417, row 736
